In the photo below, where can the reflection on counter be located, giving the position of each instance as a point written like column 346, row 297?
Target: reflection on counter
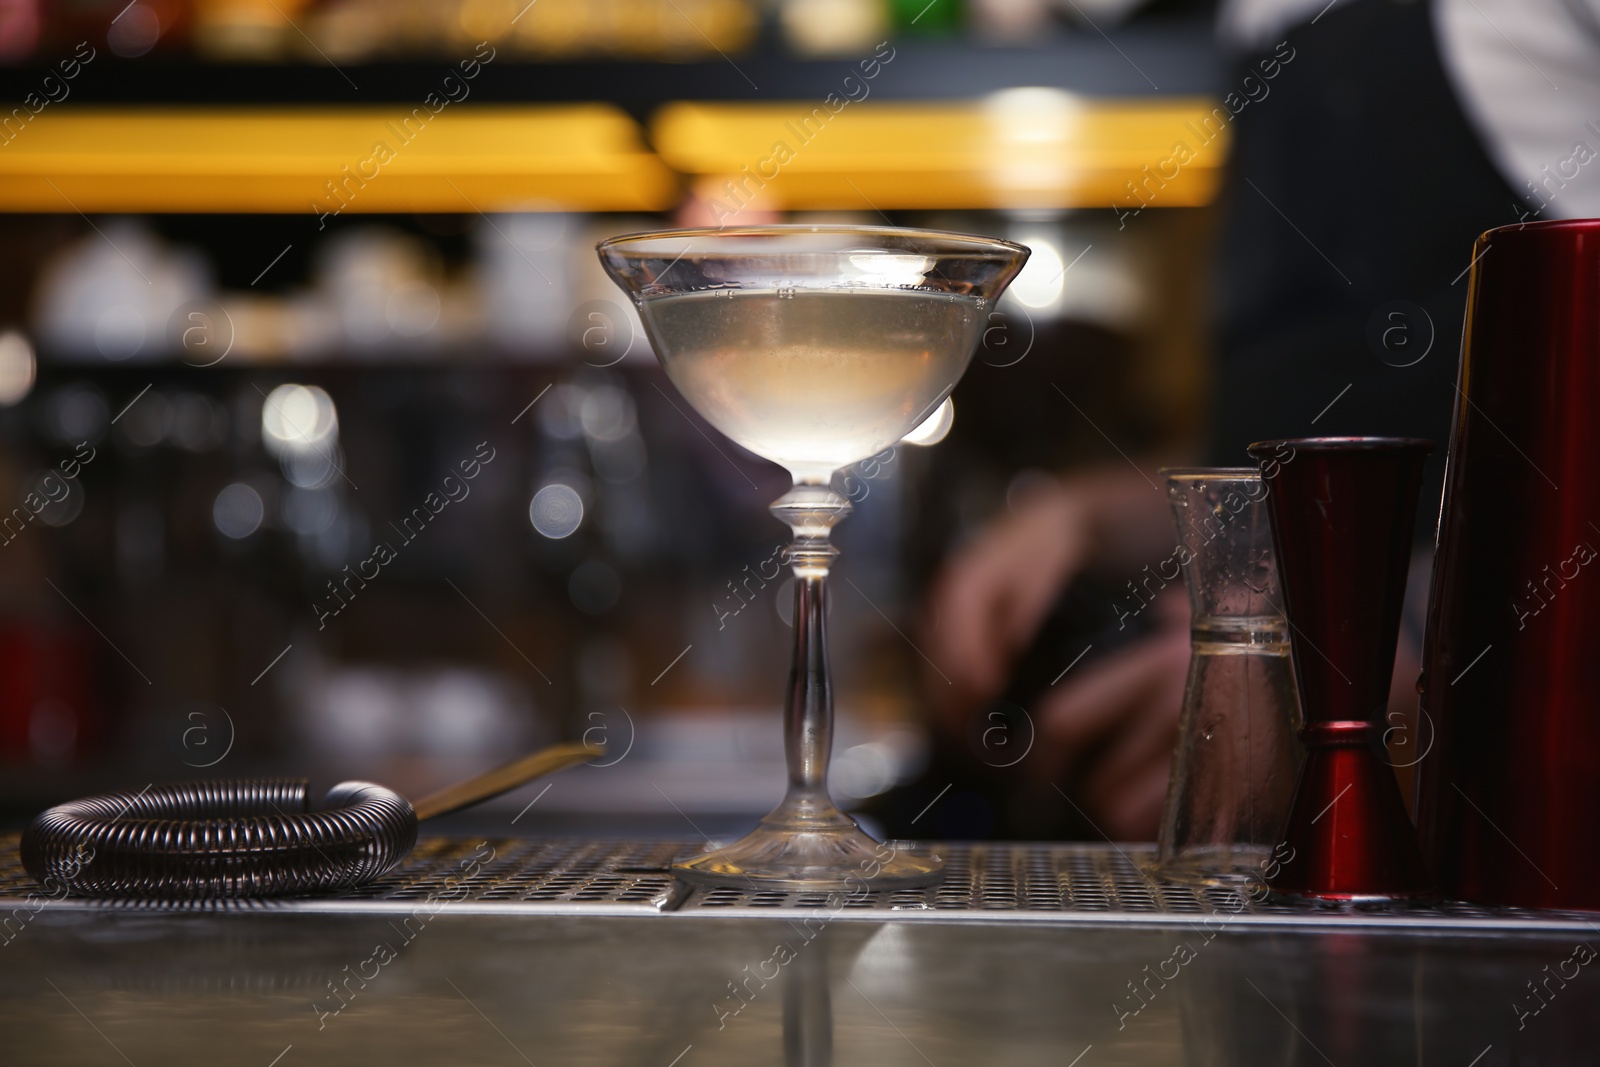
column 434, row 987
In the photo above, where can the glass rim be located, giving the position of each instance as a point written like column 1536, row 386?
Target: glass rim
column 1221, row 474
column 1542, row 226
column 1352, row 443
column 945, row 243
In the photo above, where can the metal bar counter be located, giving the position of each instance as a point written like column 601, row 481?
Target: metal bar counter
column 568, row 952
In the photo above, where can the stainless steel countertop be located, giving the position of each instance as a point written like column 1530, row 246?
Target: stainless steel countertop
column 817, row 984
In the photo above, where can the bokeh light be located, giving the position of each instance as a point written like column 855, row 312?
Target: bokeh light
column 297, row 418
column 237, row 511
column 556, row 511
column 935, row 427
column 17, row 367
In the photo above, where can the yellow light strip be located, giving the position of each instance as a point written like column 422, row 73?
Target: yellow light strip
column 1025, row 148
column 587, row 157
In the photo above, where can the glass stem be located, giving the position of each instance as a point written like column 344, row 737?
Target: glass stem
column 810, row 511
column 808, row 713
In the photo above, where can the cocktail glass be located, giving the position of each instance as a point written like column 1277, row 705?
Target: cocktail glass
column 814, row 347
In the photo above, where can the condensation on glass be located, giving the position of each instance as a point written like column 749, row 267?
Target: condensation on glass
column 1237, row 755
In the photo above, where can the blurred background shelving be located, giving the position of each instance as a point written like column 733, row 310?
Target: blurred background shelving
column 581, row 157
column 634, row 52
column 184, row 257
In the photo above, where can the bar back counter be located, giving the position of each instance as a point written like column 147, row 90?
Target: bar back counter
column 574, row 952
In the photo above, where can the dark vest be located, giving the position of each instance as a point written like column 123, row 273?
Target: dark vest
column 1377, row 187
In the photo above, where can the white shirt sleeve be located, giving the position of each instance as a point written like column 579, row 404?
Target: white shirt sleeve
column 1527, row 74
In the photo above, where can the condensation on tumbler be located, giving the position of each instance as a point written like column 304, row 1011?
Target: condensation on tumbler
column 1234, row 769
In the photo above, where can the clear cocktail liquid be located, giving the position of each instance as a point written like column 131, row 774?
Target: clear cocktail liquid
column 815, row 379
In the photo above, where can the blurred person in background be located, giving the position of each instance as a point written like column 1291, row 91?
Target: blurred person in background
column 1393, row 135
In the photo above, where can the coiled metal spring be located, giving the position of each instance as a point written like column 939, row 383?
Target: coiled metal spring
column 236, row 838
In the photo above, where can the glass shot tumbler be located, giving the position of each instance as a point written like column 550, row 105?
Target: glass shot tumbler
column 1238, row 752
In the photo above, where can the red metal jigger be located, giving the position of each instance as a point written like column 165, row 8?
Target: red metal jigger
column 1342, row 512
column 1508, row 809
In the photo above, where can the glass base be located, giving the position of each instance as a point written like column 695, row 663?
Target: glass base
column 822, row 850
column 1216, row 865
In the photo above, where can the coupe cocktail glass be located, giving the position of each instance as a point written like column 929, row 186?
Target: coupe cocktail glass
column 814, row 347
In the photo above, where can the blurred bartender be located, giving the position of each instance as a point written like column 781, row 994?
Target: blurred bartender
column 1396, row 134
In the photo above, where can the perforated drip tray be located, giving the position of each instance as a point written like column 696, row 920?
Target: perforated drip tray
column 1058, row 884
